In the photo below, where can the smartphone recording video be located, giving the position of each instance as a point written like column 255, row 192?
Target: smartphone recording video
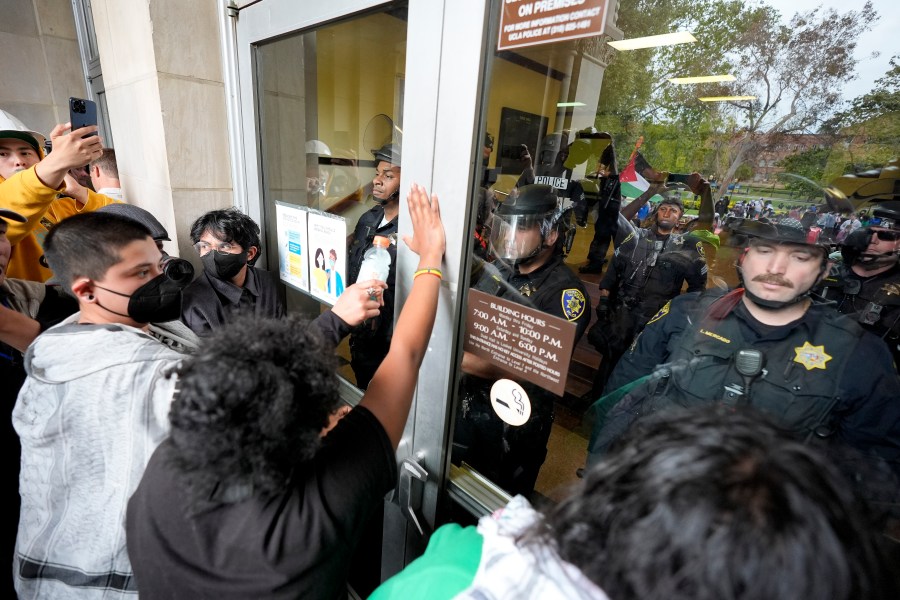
column 82, row 113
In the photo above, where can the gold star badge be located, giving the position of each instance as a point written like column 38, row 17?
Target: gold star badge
column 811, row 357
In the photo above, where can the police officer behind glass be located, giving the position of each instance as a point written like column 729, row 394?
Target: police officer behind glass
column 649, row 268
column 370, row 341
column 530, row 234
column 866, row 283
column 816, row 372
column 554, row 167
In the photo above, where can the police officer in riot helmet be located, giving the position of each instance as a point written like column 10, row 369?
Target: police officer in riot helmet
column 650, row 266
column 370, row 341
column 530, row 235
column 528, row 227
column 866, row 283
column 768, row 345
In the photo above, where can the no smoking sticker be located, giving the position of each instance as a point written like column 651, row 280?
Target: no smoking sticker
column 510, row 402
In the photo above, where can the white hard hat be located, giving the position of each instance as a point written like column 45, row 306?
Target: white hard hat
column 318, row 147
column 11, row 127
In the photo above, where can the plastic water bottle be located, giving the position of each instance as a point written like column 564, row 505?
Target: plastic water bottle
column 376, row 263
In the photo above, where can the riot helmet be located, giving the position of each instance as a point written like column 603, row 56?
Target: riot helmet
column 782, row 231
column 888, row 214
column 389, row 153
column 673, row 199
column 523, row 226
column 317, row 178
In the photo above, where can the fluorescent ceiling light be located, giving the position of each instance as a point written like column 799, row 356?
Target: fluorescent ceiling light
column 654, row 41
column 725, row 98
column 565, row 104
column 703, row 79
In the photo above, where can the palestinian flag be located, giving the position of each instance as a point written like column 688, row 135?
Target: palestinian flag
column 632, row 183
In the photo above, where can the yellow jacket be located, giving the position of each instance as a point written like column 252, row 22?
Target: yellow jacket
column 43, row 207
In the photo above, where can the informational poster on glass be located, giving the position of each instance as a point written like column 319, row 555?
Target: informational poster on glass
column 327, row 235
column 523, row 341
column 292, row 263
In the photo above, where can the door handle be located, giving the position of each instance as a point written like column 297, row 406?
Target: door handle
column 411, row 491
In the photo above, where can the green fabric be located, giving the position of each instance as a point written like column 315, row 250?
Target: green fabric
column 598, row 410
column 704, row 236
column 447, row 567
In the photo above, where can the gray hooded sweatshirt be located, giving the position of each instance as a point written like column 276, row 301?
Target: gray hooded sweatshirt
column 92, row 411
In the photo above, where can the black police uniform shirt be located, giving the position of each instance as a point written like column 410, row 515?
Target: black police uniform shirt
column 649, row 269
column 872, row 301
column 370, row 341
column 609, row 197
column 295, row 544
column 512, row 456
column 822, row 374
column 208, row 302
column 552, row 288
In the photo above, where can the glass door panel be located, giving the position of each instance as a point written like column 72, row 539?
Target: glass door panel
column 327, row 99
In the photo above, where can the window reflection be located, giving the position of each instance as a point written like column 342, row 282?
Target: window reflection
column 330, row 100
column 662, row 169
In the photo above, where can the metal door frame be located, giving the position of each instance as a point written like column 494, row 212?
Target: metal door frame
column 441, row 117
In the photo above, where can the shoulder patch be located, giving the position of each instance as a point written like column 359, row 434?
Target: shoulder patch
column 662, row 312
column 573, row 303
column 627, row 237
column 700, row 250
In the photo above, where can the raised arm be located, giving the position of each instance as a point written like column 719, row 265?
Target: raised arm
column 701, row 187
column 389, row 395
column 69, row 150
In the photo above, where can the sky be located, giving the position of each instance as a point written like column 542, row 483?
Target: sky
column 883, row 38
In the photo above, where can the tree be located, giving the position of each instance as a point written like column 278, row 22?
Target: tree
column 796, row 72
column 637, row 100
column 868, row 128
column 809, row 164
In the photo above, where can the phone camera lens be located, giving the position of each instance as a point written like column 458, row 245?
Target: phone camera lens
column 78, row 106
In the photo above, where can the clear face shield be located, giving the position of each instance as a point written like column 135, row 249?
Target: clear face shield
column 515, row 238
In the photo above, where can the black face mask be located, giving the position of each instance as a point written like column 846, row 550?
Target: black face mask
column 157, row 301
column 223, row 266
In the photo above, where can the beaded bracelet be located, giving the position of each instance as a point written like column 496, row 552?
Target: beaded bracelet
column 436, row 272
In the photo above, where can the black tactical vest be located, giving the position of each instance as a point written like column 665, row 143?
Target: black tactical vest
column 792, row 388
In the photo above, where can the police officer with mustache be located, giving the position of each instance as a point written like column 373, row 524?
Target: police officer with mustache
column 769, row 346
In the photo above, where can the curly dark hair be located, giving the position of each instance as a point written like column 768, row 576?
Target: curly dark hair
column 710, row 504
column 251, row 403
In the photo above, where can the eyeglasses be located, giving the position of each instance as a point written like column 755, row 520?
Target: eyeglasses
column 222, row 248
column 886, row 236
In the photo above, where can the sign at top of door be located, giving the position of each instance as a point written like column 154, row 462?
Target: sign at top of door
column 531, row 22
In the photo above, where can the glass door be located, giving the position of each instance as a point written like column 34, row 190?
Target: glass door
column 326, row 93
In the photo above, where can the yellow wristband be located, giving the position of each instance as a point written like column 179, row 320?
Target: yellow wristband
column 436, row 272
